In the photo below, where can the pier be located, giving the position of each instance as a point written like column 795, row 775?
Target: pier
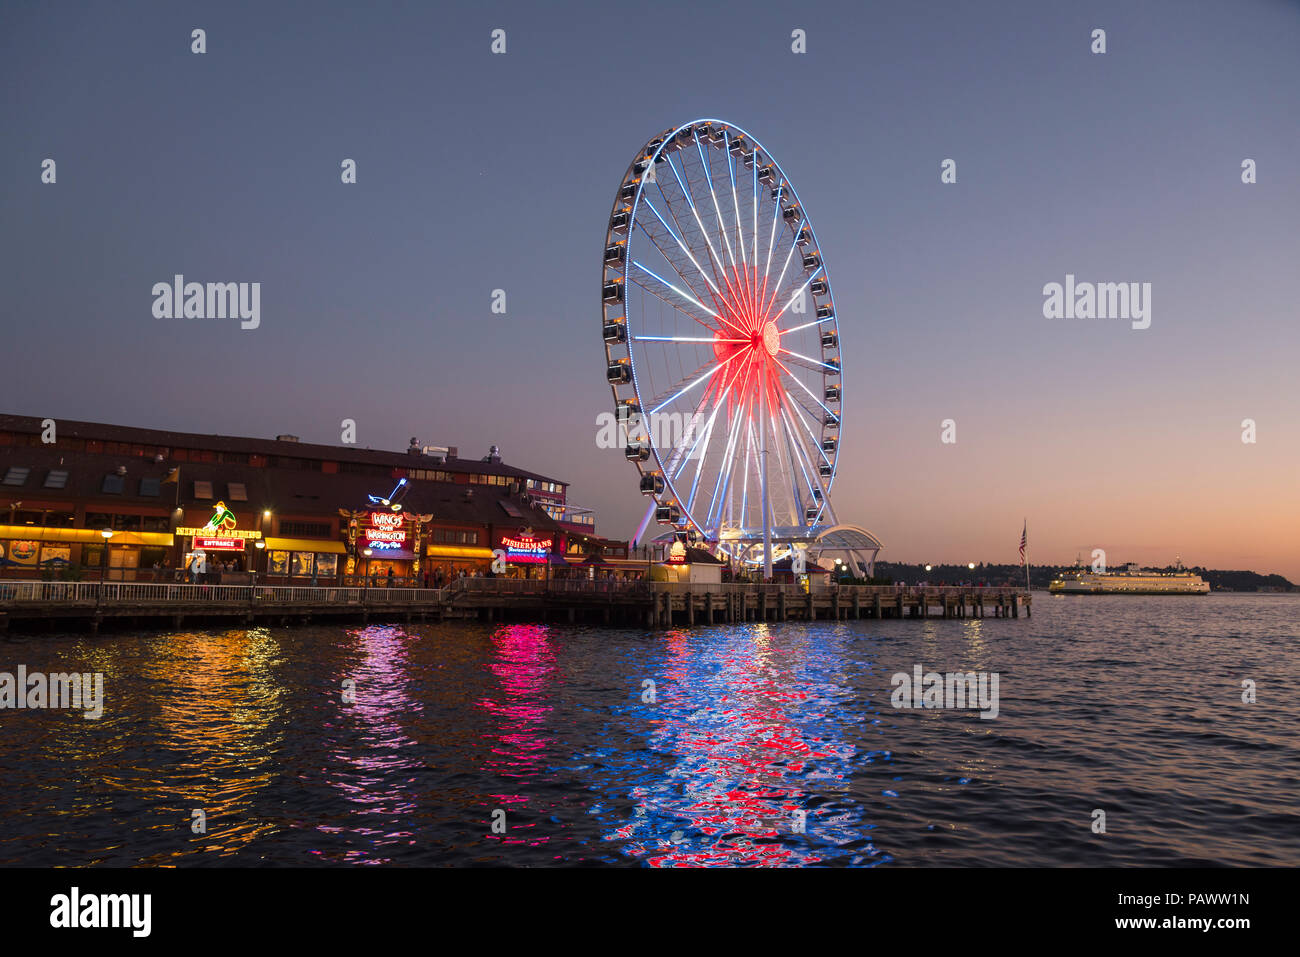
column 629, row 604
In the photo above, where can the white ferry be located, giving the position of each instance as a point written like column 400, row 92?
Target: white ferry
column 1130, row 580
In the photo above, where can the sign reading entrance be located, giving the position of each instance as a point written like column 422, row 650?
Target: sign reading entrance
column 219, row 544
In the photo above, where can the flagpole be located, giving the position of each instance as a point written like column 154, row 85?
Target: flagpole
column 1026, row 536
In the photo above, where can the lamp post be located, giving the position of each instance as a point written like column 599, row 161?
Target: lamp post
column 258, row 546
column 365, row 581
column 103, row 568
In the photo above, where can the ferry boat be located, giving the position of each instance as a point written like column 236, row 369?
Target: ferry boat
column 1130, row 580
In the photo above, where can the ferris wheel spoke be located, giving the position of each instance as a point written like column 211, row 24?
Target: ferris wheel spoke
column 771, row 240
column 749, row 451
column 686, row 339
column 786, row 468
column 708, row 175
column 708, row 432
column 687, row 296
column 815, row 322
column 679, row 456
column 802, row 386
column 813, row 441
column 699, row 462
column 754, row 205
column 731, row 170
column 810, row 473
column 732, row 434
column 798, row 292
column 715, row 261
column 735, row 291
column 668, row 302
column 662, row 252
column 698, row 380
column 681, row 245
column 798, row 403
column 814, row 365
column 798, row 505
column 776, row 290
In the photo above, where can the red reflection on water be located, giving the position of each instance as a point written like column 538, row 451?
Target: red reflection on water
column 525, row 667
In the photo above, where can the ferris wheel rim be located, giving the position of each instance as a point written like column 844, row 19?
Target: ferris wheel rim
column 649, row 156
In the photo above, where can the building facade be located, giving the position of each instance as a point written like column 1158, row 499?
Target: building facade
column 140, row 504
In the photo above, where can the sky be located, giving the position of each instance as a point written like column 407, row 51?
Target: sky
column 479, row 171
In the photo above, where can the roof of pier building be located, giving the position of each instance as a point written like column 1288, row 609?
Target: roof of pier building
column 128, row 443
column 105, row 483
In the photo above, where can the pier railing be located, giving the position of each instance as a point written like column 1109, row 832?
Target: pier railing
column 147, row 593
column 166, row 592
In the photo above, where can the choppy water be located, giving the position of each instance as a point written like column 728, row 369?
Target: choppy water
column 1130, row 705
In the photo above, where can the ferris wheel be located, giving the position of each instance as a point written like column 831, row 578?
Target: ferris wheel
column 721, row 340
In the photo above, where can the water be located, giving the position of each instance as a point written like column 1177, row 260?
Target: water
column 1131, row 705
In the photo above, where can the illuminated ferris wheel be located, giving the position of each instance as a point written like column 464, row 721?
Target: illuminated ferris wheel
column 722, row 344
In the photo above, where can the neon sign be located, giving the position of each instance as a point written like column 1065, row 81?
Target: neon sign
column 385, row 530
column 219, row 544
column 526, row 548
column 220, row 534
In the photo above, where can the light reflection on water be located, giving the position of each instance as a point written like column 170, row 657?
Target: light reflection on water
column 1134, row 708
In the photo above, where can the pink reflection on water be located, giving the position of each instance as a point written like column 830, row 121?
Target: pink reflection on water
column 372, row 774
column 525, row 666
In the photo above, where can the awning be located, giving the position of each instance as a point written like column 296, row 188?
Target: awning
column 306, row 545
column 458, row 551
column 139, row 538
column 32, row 533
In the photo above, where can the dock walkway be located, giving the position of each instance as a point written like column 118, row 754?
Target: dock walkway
column 639, row 604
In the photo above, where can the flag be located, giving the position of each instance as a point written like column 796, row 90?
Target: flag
column 173, row 476
column 1023, row 540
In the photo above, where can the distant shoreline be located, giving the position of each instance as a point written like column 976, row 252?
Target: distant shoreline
column 1221, row 580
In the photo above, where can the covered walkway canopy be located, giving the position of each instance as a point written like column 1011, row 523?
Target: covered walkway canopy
column 855, row 544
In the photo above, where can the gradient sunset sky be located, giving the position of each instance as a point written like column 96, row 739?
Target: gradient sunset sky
column 478, row 172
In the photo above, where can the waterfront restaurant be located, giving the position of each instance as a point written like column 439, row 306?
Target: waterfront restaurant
column 145, row 505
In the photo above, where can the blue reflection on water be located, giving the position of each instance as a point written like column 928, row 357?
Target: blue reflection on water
column 757, row 769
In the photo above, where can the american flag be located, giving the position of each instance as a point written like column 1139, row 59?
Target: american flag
column 1023, row 540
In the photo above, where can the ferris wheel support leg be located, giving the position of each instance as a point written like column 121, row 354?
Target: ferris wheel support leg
column 640, row 529
column 762, row 462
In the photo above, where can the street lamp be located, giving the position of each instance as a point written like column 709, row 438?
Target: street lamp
column 928, row 567
column 971, row 566
column 365, row 581
column 260, row 546
column 103, row 567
